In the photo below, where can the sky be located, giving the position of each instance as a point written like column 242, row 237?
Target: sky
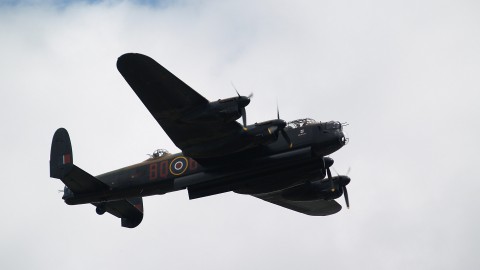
column 403, row 74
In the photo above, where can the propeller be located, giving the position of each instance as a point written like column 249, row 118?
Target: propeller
column 243, row 102
column 343, row 185
column 329, row 173
column 345, row 194
column 282, row 130
column 330, row 179
column 244, row 116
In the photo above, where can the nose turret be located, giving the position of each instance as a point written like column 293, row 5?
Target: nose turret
column 330, row 138
column 342, row 137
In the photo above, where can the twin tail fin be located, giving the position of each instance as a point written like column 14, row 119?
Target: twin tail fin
column 78, row 181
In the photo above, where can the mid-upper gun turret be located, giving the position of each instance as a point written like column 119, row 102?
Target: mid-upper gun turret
column 159, row 153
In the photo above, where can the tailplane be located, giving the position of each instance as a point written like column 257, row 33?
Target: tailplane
column 82, row 187
column 62, row 167
column 130, row 211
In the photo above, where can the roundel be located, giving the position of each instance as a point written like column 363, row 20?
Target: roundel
column 178, row 165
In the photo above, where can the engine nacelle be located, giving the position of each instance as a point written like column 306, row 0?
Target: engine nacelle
column 230, row 114
column 226, row 110
column 266, row 132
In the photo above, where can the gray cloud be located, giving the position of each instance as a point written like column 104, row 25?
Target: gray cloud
column 404, row 75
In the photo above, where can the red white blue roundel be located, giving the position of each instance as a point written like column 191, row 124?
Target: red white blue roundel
column 178, row 165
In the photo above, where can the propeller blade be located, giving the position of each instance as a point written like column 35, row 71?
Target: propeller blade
column 332, row 186
column 249, row 96
column 273, row 130
column 345, row 194
column 235, row 88
column 285, row 135
column 244, row 117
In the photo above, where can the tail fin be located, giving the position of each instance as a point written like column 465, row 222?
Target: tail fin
column 61, row 158
column 79, row 182
column 62, row 167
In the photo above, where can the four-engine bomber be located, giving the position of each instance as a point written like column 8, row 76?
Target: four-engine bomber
column 279, row 162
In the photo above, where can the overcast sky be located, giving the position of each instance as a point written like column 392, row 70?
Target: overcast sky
column 403, row 74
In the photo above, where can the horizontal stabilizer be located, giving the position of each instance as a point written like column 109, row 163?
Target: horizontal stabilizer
column 130, row 211
column 80, row 181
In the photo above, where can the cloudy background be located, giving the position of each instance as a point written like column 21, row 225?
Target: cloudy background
column 403, row 74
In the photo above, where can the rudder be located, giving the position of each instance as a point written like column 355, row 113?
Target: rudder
column 61, row 158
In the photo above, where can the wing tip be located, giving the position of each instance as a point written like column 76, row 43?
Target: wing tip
column 131, row 56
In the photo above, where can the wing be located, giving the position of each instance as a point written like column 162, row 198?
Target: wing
column 162, row 93
column 171, row 101
column 312, row 208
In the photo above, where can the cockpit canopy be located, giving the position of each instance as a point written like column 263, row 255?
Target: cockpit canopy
column 308, row 121
column 300, row 123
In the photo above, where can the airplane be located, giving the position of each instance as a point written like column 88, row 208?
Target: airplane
column 286, row 164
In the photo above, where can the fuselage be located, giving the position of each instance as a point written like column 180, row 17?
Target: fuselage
column 266, row 168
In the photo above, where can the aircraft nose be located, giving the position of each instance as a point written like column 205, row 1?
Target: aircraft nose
column 342, row 138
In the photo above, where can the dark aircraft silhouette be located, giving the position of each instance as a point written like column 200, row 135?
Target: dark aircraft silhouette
column 279, row 162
